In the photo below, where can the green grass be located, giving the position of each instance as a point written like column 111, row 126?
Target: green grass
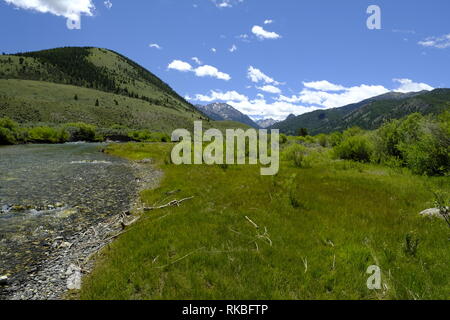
column 335, row 217
column 36, row 102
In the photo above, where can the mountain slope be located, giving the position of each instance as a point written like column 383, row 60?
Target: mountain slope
column 225, row 112
column 266, row 123
column 64, row 85
column 370, row 113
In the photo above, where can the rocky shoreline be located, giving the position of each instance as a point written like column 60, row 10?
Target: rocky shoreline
column 69, row 258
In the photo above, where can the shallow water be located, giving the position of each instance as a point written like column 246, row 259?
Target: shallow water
column 50, row 191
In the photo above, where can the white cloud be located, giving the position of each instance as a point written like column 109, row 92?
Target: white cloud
column 323, row 85
column 233, row 48
column 108, row 4
column 270, row 89
column 210, row 71
column 257, row 108
column 256, row 75
column 197, row 60
column 155, row 46
column 329, row 95
column 180, row 66
column 226, row 96
column 441, row 42
column 213, row 50
column 202, row 71
column 226, row 3
column 407, row 85
column 70, row 9
column 263, row 34
column 268, row 21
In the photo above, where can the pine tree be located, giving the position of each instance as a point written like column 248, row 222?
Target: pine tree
column 76, row 97
column 97, row 103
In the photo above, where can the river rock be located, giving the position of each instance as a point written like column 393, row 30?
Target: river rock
column 74, row 279
column 432, row 213
column 3, row 280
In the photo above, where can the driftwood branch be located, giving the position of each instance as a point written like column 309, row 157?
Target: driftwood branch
column 173, row 203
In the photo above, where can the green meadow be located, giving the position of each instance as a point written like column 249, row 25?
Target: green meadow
column 310, row 232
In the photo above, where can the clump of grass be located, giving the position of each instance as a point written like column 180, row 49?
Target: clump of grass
column 411, row 244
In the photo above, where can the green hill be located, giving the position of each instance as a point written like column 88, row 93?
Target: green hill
column 96, row 86
column 368, row 114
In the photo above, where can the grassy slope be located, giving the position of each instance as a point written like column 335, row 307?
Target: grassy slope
column 29, row 101
column 350, row 216
column 40, row 87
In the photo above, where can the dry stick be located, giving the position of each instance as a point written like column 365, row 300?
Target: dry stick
column 170, row 204
column 254, row 224
column 178, row 260
column 305, row 262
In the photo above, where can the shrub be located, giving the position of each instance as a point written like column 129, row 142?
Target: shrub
column 283, row 139
column 7, row 136
column 8, row 131
column 335, row 139
column 357, row 148
column 47, row 135
column 81, row 132
column 148, row 136
column 322, row 139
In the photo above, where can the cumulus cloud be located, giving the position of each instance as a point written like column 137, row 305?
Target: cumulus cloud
column 180, row 66
column 202, row 71
column 270, row 89
column 263, row 34
column 333, row 99
column 70, row 9
column 221, row 96
column 268, row 21
column 323, row 85
column 256, row 108
column 256, row 75
column 407, row 85
column 315, row 95
column 210, row 71
column 328, row 95
column 441, row 42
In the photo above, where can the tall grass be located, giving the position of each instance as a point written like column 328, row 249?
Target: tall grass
column 314, row 233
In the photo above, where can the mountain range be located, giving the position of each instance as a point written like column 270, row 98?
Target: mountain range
column 368, row 114
column 225, row 112
column 266, row 123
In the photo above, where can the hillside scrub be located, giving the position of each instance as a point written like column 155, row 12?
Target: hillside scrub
column 420, row 143
column 13, row 133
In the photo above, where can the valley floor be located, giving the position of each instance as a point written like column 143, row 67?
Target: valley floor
column 307, row 233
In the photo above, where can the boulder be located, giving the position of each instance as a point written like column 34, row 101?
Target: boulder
column 3, row 280
column 74, row 279
column 432, row 213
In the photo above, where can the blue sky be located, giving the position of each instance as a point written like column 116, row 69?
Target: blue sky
column 267, row 58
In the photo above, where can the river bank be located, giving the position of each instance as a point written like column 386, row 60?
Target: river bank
column 43, row 262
